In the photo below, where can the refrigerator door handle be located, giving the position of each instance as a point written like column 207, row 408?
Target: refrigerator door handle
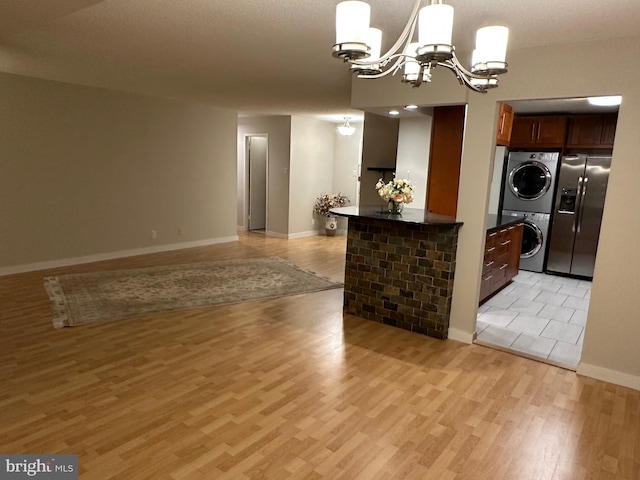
column 584, row 192
column 576, row 218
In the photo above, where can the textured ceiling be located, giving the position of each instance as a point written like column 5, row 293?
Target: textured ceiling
column 254, row 56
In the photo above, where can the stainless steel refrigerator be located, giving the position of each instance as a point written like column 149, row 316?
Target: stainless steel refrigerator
column 582, row 185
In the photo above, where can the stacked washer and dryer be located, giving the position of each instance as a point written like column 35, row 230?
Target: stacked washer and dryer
column 528, row 191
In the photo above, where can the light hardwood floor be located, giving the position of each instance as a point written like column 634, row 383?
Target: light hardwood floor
column 291, row 388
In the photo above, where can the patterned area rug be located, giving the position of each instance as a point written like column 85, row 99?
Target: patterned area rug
column 97, row 297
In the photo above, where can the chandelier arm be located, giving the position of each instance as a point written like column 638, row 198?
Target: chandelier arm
column 464, row 76
column 407, row 32
column 399, row 62
column 466, row 72
column 405, row 37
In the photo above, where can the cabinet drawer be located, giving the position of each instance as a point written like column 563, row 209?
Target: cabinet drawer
column 487, row 266
column 485, row 286
column 492, row 237
column 499, row 270
column 503, row 242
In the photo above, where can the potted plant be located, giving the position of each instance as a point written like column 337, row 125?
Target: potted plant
column 326, row 202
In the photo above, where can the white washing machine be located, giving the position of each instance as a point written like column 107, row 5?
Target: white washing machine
column 530, row 179
column 535, row 236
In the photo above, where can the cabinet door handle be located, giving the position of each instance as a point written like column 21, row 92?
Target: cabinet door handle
column 488, row 264
column 493, row 234
column 504, row 266
column 505, row 243
column 533, row 130
column 488, row 278
column 491, row 249
column 502, row 123
column 539, row 128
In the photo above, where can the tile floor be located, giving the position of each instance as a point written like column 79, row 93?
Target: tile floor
column 539, row 315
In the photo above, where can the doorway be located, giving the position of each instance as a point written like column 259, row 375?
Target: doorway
column 256, row 147
column 543, row 313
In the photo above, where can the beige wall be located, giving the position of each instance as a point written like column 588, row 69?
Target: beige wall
column 412, row 162
column 86, row 171
column 278, row 131
column 612, row 338
column 312, row 147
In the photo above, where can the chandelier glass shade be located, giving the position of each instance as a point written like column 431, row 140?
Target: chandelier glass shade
column 360, row 45
column 346, row 129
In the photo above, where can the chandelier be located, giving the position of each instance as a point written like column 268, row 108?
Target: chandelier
column 359, row 45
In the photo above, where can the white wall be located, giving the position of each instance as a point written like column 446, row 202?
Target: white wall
column 86, row 172
column 412, row 161
column 611, row 347
column 312, row 150
column 278, row 131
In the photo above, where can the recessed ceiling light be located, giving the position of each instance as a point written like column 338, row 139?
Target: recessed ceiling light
column 411, row 107
column 605, row 101
column 394, row 112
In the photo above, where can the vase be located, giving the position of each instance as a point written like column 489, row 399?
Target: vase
column 395, row 208
column 330, row 226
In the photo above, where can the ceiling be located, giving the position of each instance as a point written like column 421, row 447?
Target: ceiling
column 257, row 57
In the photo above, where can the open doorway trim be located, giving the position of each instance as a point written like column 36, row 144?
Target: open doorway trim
column 247, row 179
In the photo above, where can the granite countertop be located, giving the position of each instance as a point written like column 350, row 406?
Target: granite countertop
column 497, row 221
column 408, row 215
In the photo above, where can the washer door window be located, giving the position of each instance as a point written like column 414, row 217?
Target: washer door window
column 530, row 180
column 531, row 240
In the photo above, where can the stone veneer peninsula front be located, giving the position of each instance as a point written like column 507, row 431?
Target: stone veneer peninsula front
column 400, row 268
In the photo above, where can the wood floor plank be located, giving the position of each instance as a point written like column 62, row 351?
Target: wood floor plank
column 291, row 388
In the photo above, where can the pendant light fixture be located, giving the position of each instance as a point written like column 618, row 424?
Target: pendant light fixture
column 360, row 46
column 346, row 129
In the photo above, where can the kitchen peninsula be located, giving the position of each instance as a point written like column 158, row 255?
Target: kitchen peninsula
column 400, row 268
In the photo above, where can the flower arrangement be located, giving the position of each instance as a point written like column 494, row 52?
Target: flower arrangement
column 398, row 190
column 327, row 201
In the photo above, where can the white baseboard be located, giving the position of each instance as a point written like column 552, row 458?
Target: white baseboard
column 608, row 375
column 460, row 336
column 269, row 233
column 310, row 233
column 65, row 262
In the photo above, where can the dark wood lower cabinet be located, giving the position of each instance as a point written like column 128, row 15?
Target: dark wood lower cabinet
column 501, row 259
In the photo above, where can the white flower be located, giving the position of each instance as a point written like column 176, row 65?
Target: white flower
column 398, row 190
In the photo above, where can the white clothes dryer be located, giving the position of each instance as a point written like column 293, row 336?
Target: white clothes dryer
column 535, row 236
column 530, row 179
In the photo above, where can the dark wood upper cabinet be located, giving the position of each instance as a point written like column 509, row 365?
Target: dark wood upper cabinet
column 539, row 132
column 505, row 124
column 591, row 131
column 444, row 161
